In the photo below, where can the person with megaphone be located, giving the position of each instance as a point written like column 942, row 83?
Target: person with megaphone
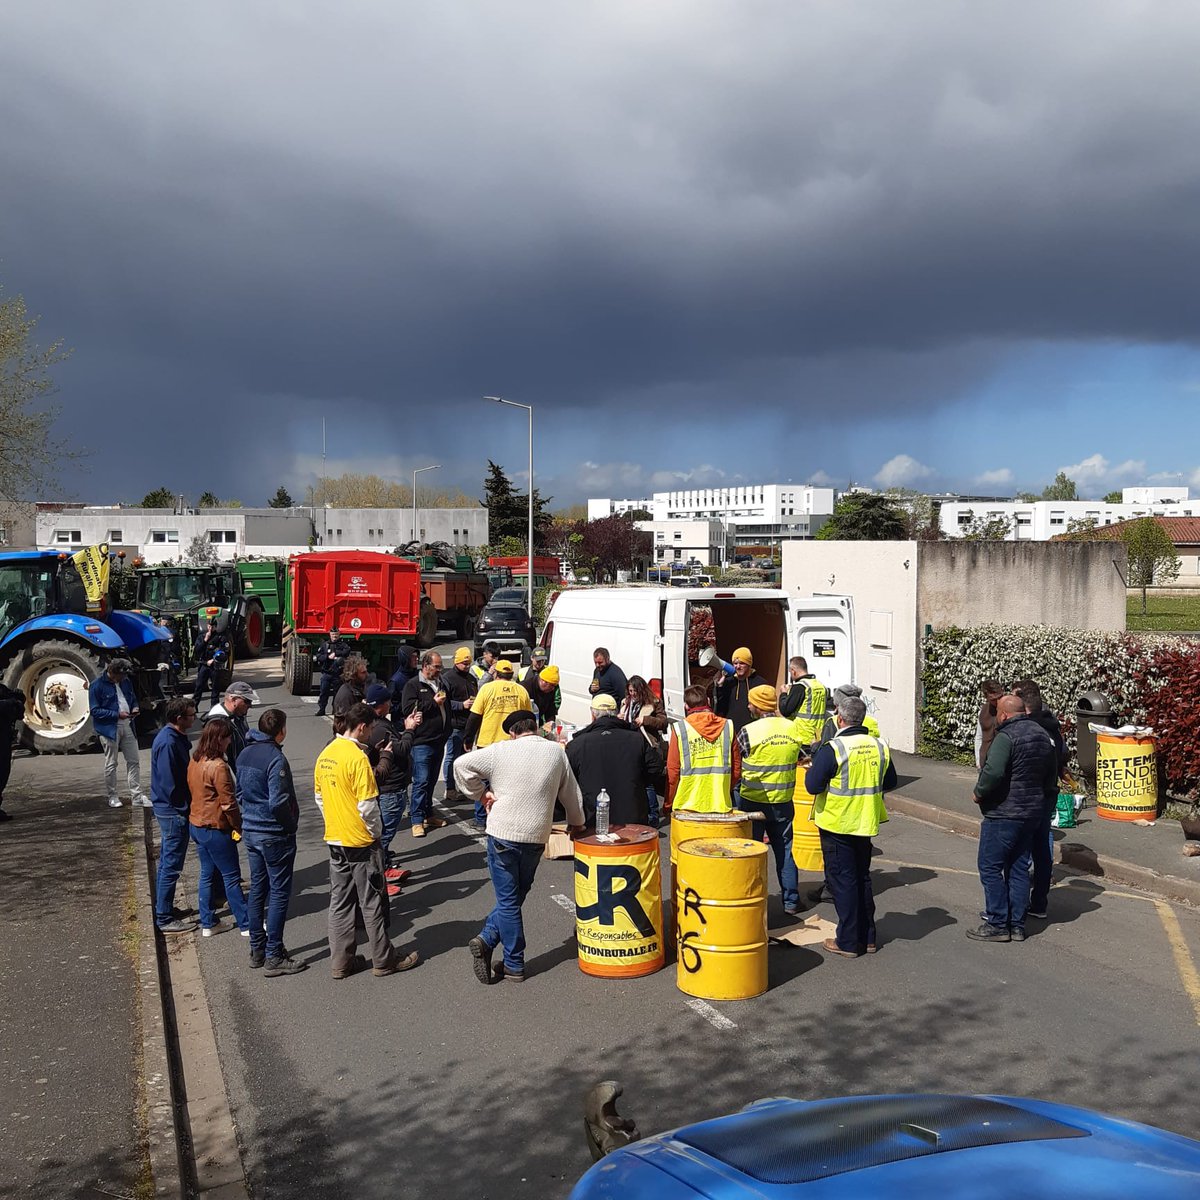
column 733, row 691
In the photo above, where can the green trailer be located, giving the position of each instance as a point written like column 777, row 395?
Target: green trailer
column 264, row 584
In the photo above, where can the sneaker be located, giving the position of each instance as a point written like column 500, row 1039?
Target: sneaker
column 989, row 933
column 394, row 890
column 872, row 948
column 182, row 914
column 114, row 802
column 213, row 930
column 513, row 976
column 479, row 826
column 177, row 926
column 831, row 947
column 418, row 831
column 396, row 874
column 356, row 964
column 320, row 712
column 481, row 959
column 452, row 796
column 398, row 964
column 1016, row 935
column 286, row 965
column 245, row 933
column 791, row 912
column 257, row 958
column 142, row 802
column 436, row 822
column 1040, row 915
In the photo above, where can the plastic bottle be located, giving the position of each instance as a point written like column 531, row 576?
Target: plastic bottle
column 602, row 805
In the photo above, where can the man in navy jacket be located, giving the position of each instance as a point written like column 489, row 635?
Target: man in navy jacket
column 114, row 706
column 171, row 798
column 270, row 815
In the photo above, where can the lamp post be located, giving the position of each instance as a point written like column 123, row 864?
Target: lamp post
column 415, row 474
column 529, row 409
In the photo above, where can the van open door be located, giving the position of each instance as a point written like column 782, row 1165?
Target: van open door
column 676, row 622
column 824, row 636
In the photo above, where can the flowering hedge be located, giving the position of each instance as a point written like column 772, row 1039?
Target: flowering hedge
column 1149, row 679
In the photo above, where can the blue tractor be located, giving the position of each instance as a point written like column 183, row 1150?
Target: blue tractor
column 52, row 647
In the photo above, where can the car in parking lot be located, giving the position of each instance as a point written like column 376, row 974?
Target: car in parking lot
column 505, row 622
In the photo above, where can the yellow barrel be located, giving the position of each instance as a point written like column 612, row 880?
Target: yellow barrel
column 806, row 838
column 1126, row 777
column 618, row 903
column 688, row 825
column 721, row 900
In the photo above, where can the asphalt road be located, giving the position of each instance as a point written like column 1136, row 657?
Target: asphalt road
column 428, row 1084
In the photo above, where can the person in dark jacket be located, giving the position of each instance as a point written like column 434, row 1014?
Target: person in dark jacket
column 407, row 658
column 390, row 752
column 113, row 705
column 461, row 688
column 1013, row 789
column 329, row 660
column 270, row 817
column 171, row 798
column 426, row 694
column 607, row 679
column 610, row 754
column 1043, row 841
column 235, row 704
column 733, row 691
column 12, row 709
column 212, row 657
column 353, row 691
column 543, row 694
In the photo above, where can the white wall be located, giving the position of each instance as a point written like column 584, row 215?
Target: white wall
column 383, row 528
column 1040, row 520
column 1154, row 495
column 678, row 541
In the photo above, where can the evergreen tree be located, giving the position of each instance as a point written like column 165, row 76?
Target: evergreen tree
column 208, row 500
column 281, row 499
column 159, row 498
column 865, row 517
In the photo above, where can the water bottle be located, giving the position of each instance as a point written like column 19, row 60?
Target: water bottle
column 602, row 804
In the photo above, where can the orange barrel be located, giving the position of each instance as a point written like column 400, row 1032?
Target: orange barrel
column 806, row 838
column 1126, row 777
column 721, row 898
column 618, row 903
column 687, row 825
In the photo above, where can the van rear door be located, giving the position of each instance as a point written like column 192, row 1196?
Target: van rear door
column 824, row 636
column 674, row 642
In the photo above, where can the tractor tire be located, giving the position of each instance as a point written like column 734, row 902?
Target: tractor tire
column 54, row 676
column 427, row 625
column 466, row 626
column 253, row 637
column 297, row 668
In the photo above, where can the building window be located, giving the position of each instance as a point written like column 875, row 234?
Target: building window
column 678, row 554
column 162, row 536
column 68, row 537
column 964, row 518
column 220, row 536
column 677, row 535
column 114, row 535
column 1024, row 520
column 338, row 532
column 1057, row 520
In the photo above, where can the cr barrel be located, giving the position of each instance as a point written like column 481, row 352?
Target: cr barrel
column 618, row 903
column 806, row 838
column 721, row 900
column 688, row 825
column 1126, row 777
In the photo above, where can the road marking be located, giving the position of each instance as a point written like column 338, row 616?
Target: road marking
column 895, row 862
column 307, row 699
column 715, row 1019
column 1188, row 974
column 480, row 839
column 564, row 902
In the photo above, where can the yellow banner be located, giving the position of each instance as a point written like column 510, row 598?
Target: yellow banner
column 92, row 565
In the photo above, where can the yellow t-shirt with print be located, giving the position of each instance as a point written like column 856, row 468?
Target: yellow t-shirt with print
column 493, row 702
column 343, row 779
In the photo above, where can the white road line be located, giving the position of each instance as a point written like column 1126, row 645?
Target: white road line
column 462, row 825
column 715, row 1019
column 564, row 902
column 307, row 699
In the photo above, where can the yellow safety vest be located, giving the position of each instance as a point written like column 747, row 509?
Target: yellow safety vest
column 705, row 771
column 809, row 718
column 853, row 803
column 869, row 724
column 769, row 770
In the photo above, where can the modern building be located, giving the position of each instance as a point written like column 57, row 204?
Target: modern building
column 1040, row 520
column 383, row 528
column 1154, row 495
column 706, row 542
column 597, row 510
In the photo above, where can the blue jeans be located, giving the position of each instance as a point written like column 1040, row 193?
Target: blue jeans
column 512, row 866
column 425, row 762
column 219, row 856
column 652, row 804
column 271, row 862
column 329, row 687
column 848, row 877
column 391, row 808
column 173, row 850
column 454, row 747
column 1043, row 864
column 779, row 834
column 1005, row 847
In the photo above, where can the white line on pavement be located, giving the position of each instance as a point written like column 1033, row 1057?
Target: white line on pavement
column 307, row 699
column 710, row 1014
column 479, row 839
column 564, row 902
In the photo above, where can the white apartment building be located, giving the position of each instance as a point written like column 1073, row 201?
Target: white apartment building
column 597, row 510
column 1040, row 520
column 706, row 542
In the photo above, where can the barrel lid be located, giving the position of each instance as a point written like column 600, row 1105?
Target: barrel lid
column 627, row 835
column 723, row 847
column 699, row 818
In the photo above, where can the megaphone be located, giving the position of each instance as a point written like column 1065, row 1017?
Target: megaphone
column 710, row 658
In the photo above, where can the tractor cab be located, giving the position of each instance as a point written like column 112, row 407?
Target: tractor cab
column 38, row 585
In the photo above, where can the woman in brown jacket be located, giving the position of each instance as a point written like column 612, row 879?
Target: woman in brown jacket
column 645, row 712
column 213, row 817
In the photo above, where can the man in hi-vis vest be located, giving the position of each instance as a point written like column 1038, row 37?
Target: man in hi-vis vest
column 770, row 750
column 703, row 760
column 804, row 701
column 848, row 777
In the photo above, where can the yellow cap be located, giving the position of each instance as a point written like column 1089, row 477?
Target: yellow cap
column 503, row 666
column 741, row 654
column 764, row 698
column 603, row 702
column 549, row 675
column 462, row 654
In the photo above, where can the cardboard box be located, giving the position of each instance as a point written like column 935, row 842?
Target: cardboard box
column 559, row 843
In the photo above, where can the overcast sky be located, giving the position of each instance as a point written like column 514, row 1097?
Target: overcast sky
column 949, row 245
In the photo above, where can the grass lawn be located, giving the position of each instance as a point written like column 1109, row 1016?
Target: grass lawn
column 1164, row 613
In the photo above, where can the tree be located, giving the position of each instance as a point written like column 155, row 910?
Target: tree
column 993, row 528
column 281, row 499
column 30, row 458
column 508, row 510
column 1081, row 529
column 920, row 515
column 200, row 552
column 159, row 498
column 373, row 491
column 1114, row 497
column 1061, row 489
column 1152, row 557
column 208, row 500
column 612, row 544
column 864, row 517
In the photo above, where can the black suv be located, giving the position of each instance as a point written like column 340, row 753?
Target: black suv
column 505, row 622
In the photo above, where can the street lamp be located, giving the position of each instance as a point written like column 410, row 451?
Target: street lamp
column 529, row 409
column 415, row 474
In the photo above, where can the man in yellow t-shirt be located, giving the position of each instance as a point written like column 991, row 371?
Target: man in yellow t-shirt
column 346, row 793
column 485, row 726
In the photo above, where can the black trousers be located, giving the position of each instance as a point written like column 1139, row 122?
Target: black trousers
column 848, row 877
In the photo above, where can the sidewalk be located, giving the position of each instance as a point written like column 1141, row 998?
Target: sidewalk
column 1151, row 859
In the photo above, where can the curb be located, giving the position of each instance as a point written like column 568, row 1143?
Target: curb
column 1074, row 855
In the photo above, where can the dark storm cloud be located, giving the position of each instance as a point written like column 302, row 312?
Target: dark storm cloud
column 414, row 204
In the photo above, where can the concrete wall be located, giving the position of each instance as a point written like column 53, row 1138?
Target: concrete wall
column 881, row 580
column 17, row 526
column 383, row 528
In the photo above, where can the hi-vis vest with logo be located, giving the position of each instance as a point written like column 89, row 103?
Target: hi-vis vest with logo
column 809, row 718
column 853, row 804
column 705, row 770
column 769, row 770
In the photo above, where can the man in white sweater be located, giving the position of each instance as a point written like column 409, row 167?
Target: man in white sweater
column 518, row 781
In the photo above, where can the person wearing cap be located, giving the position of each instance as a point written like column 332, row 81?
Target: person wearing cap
column 848, row 777
column 804, row 701
column 329, row 660
column 235, row 704
column 733, row 691
column 846, row 691
column 461, row 688
column 543, row 693
column 485, row 722
column 704, row 762
column 538, row 658
column 770, row 749
column 390, row 752
column 212, row 655
column 484, row 667
column 611, row 755
column 427, row 695
column 607, row 679
column 113, row 705
column 518, row 781
column 407, row 660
